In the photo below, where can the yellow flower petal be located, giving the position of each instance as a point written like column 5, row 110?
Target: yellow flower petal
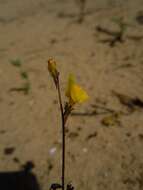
column 74, row 92
column 71, row 81
column 78, row 95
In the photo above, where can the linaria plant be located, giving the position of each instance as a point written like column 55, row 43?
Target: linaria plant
column 75, row 94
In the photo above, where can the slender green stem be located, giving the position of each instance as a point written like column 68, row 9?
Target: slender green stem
column 63, row 135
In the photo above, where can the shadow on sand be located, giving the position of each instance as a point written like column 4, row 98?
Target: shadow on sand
column 23, row 179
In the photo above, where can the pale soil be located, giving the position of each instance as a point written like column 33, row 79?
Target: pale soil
column 34, row 30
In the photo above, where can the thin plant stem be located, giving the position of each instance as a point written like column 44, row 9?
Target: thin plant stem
column 63, row 134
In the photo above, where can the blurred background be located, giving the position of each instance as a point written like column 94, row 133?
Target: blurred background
column 100, row 42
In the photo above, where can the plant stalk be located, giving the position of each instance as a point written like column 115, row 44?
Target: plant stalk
column 63, row 134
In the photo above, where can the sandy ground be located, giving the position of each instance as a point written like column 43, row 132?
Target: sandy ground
column 105, row 135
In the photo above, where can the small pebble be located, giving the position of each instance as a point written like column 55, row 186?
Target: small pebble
column 52, row 150
column 31, row 103
column 85, row 150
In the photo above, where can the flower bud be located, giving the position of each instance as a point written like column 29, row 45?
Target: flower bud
column 53, row 70
column 52, row 67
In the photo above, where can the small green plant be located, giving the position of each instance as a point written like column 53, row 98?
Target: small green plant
column 75, row 95
column 25, row 88
column 122, row 26
column 114, row 36
column 16, row 62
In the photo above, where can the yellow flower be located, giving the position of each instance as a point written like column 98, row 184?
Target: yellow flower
column 74, row 92
column 52, row 67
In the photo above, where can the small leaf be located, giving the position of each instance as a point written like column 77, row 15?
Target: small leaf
column 16, row 62
column 24, row 75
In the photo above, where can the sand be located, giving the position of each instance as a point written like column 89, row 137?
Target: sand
column 105, row 135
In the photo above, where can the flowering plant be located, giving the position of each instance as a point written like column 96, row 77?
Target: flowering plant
column 75, row 95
